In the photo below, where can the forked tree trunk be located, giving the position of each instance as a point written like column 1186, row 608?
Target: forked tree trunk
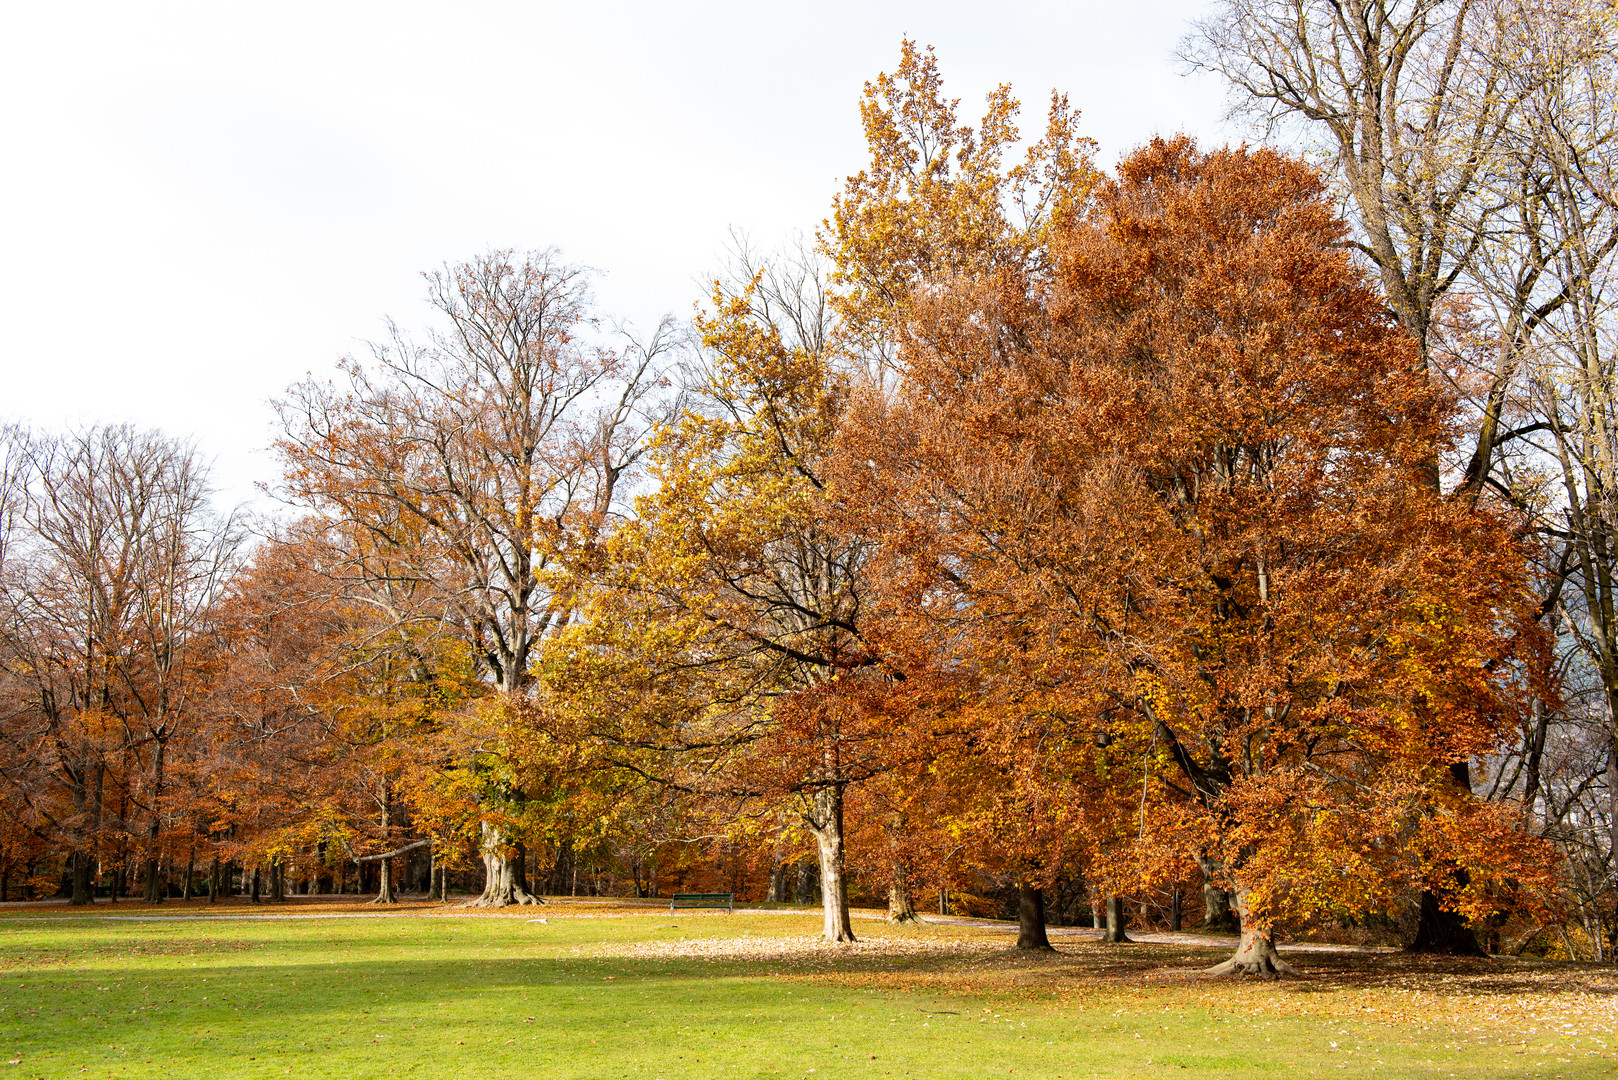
column 826, row 822
column 1256, row 954
column 435, row 876
column 1117, row 919
column 1031, row 920
column 501, row 887
column 437, row 891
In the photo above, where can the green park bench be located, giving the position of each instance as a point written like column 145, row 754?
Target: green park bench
column 703, row 899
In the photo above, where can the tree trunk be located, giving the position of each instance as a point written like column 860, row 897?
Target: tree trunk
column 826, row 822
column 562, row 869
column 385, row 893
column 213, row 882
column 435, row 875
column 943, row 901
column 83, row 880
column 1443, row 933
column 1438, row 930
column 778, row 883
column 1117, row 919
column 1174, row 909
column 804, row 886
column 154, row 830
column 255, row 883
column 500, row 885
column 1256, row 954
column 436, row 889
column 1217, row 916
column 1612, row 799
column 901, row 906
column 190, row 871
column 1031, row 919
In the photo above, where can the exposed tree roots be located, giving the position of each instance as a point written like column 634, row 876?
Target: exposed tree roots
column 1255, row 958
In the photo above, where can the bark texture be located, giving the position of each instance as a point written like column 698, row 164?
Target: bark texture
column 901, row 905
column 1031, row 920
column 385, row 893
column 1117, row 919
column 826, row 821
column 1256, row 954
column 1217, row 916
column 502, row 885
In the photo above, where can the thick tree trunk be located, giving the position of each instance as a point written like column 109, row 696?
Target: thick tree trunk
column 1256, row 954
column 1031, row 919
column 1443, row 933
column 1217, row 916
column 1117, row 919
column 943, row 901
column 256, row 883
column 501, row 888
column 778, row 883
column 826, row 822
column 804, row 885
column 901, row 905
column 385, row 893
column 213, row 882
column 83, row 879
column 151, row 887
column 1174, row 909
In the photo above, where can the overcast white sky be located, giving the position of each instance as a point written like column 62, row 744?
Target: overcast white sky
column 200, row 202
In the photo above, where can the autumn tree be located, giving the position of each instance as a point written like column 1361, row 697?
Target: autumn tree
column 1187, row 507
column 114, row 565
column 498, row 446
column 729, row 585
column 1439, row 119
column 946, row 205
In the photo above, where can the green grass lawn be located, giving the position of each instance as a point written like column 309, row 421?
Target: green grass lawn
column 709, row 995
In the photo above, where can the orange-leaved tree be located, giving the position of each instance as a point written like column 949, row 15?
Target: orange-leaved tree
column 1180, row 500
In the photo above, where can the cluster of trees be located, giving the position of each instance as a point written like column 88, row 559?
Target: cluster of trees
column 1089, row 536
